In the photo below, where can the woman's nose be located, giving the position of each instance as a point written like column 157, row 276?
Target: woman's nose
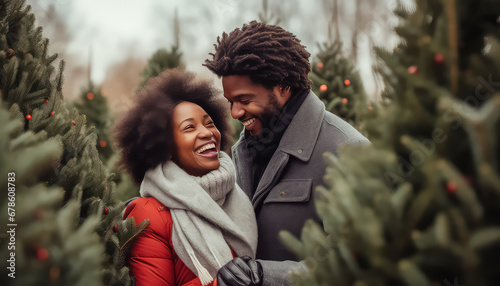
column 205, row 133
column 236, row 111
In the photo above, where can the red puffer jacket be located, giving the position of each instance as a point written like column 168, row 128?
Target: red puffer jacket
column 153, row 260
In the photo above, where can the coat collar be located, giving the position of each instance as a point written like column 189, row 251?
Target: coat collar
column 301, row 135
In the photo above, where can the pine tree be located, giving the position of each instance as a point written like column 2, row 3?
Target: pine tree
column 161, row 60
column 421, row 205
column 31, row 89
column 338, row 84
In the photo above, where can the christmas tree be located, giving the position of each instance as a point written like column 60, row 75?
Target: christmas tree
column 80, row 192
column 421, row 205
column 336, row 82
column 41, row 240
column 94, row 105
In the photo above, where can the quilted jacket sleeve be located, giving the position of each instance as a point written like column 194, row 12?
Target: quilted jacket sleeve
column 152, row 259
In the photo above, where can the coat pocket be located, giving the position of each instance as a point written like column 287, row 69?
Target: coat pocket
column 288, row 191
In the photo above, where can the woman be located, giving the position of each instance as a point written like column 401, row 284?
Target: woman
column 199, row 219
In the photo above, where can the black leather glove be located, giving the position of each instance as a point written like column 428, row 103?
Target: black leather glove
column 241, row 271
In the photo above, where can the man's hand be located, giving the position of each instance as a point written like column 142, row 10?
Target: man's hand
column 241, row 271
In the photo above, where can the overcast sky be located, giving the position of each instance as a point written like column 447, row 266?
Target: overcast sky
column 118, row 29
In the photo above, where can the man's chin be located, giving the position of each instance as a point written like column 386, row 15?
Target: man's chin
column 254, row 133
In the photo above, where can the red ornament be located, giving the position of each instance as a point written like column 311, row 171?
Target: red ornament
column 106, row 211
column 413, row 69
column 451, row 187
column 103, row 143
column 90, row 96
column 439, row 58
column 52, row 113
column 28, row 116
column 347, row 82
column 115, row 228
column 345, row 100
column 42, row 253
column 323, row 87
column 46, row 101
column 73, row 122
column 320, row 65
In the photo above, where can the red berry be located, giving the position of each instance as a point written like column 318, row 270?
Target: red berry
column 320, row 65
column 106, row 211
column 28, row 116
column 105, row 188
column 103, row 143
column 413, row 69
column 345, row 100
column 347, row 82
column 323, row 87
column 73, row 122
column 451, row 186
column 90, row 96
column 115, row 228
column 52, row 113
column 46, row 101
column 438, row 58
column 42, row 253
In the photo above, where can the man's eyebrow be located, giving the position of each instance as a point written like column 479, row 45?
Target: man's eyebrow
column 243, row 95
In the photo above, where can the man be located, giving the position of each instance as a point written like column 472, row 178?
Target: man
column 278, row 157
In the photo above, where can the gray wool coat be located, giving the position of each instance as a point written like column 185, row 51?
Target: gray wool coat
column 283, row 199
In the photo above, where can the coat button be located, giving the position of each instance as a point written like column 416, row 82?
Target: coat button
column 300, row 150
column 282, row 194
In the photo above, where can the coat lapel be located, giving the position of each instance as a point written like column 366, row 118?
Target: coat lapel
column 243, row 163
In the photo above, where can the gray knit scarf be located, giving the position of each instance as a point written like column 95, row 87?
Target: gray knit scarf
column 208, row 212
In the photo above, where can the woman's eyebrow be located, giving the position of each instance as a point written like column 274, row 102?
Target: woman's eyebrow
column 188, row 119
column 192, row 119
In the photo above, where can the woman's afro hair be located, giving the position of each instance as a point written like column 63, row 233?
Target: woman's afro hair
column 145, row 135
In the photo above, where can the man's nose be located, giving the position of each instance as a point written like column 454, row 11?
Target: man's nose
column 236, row 111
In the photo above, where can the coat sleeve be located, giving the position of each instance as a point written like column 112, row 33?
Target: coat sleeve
column 151, row 260
column 277, row 273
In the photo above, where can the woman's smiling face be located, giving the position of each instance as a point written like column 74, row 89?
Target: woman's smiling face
column 197, row 140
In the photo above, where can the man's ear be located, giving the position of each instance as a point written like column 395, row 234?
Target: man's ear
column 285, row 92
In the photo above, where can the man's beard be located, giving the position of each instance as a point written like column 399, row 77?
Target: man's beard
column 271, row 111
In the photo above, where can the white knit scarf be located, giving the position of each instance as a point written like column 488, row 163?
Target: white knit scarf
column 208, row 212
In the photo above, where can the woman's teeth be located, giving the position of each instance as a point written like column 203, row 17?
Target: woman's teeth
column 205, row 148
column 248, row 122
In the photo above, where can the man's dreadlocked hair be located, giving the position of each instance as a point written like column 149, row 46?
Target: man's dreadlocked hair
column 268, row 54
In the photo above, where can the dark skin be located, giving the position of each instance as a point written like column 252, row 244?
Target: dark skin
column 253, row 104
column 197, row 140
